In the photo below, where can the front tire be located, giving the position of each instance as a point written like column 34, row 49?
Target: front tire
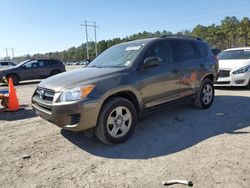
column 205, row 95
column 116, row 121
column 248, row 85
column 15, row 79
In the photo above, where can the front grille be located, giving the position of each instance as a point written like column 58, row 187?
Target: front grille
column 224, row 73
column 44, row 94
column 43, row 98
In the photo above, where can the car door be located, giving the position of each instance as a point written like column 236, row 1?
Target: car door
column 29, row 70
column 44, row 68
column 188, row 65
column 159, row 84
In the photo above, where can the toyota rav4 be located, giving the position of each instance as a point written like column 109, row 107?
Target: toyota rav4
column 124, row 82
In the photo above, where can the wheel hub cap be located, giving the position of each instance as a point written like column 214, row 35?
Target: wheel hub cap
column 119, row 122
column 207, row 94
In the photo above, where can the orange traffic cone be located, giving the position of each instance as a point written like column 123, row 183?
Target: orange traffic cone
column 13, row 101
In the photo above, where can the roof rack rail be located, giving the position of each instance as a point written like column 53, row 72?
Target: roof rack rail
column 181, row 36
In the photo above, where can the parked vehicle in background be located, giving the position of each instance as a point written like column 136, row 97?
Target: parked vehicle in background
column 85, row 63
column 126, row 81
column 33, row 69
column 6, row 64
column 215, row 51
column 234, row 66
column 67, row 63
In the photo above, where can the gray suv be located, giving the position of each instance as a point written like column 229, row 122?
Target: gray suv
column 33, row 69
column 124, row 82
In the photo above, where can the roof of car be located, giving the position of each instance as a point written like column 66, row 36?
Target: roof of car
column 171, row 37
column 241, row 48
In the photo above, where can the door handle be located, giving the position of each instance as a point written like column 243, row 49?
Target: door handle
column 176, row 71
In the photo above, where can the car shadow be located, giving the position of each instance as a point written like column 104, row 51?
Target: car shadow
column 22, row 113
column 167, row 132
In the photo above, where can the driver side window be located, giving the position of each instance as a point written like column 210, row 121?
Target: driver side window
column 162, row 51
column 31, row 64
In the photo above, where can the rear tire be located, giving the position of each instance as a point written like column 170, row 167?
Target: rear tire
column 15, row 78
column 116, row 121
column 205, row 95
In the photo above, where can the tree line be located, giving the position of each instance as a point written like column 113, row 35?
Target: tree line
column 231, row 32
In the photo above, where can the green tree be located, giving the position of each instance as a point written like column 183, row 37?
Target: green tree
column 200, row 31
column 244, row 30
column 230, row 27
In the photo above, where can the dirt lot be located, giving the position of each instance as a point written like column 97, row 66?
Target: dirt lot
column 210, row 147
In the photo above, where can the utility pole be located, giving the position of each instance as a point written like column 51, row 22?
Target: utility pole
column 95, row 40
column 86, row 25
column 7, row 52
column 12, row 53
column 87, row 46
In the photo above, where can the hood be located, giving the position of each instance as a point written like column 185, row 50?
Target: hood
column 233, row 64
column 6, row 68
column 80, row 76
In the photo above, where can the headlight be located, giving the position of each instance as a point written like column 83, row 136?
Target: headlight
column 242, row 70
column 76, row 93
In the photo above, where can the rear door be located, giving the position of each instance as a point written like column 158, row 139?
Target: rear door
column 188, row 68
column 159, row 84
column 44, row 68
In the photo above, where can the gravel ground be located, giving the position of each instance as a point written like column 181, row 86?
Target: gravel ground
column 210, row 147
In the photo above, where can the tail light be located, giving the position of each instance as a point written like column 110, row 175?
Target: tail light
column 216, row 59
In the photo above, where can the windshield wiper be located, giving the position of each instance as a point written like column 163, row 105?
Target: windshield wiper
column 94, row 66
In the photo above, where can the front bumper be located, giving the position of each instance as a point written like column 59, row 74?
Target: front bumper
column 234, row 80
column 76, row 116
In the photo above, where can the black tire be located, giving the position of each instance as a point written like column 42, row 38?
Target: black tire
column 103, row 130
column 248, row 85
column 15, row 79
column 202, row 100
column 54, row 72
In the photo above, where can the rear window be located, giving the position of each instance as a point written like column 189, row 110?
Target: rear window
column 201, row 48
column 183, row 50
column 234, row 54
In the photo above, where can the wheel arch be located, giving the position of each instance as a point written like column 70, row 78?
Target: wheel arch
column 209, row 76
column 9, row 74
column 127, row 94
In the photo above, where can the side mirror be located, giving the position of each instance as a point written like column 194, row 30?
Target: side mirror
column 151, row 62
column 24, row 67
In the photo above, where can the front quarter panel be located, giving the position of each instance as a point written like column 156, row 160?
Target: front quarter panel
column 121, row 82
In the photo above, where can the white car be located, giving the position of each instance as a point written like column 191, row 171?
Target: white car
column 234, row 66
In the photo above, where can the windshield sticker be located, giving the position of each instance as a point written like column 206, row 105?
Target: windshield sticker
column 128, row 63
column 130, row 48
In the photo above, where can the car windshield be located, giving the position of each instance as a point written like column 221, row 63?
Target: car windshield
column 23, row 62
column 121, row 55
column 234, row 54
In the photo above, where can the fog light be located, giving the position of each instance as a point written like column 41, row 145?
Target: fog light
column 239, row 81
column 75, row 118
